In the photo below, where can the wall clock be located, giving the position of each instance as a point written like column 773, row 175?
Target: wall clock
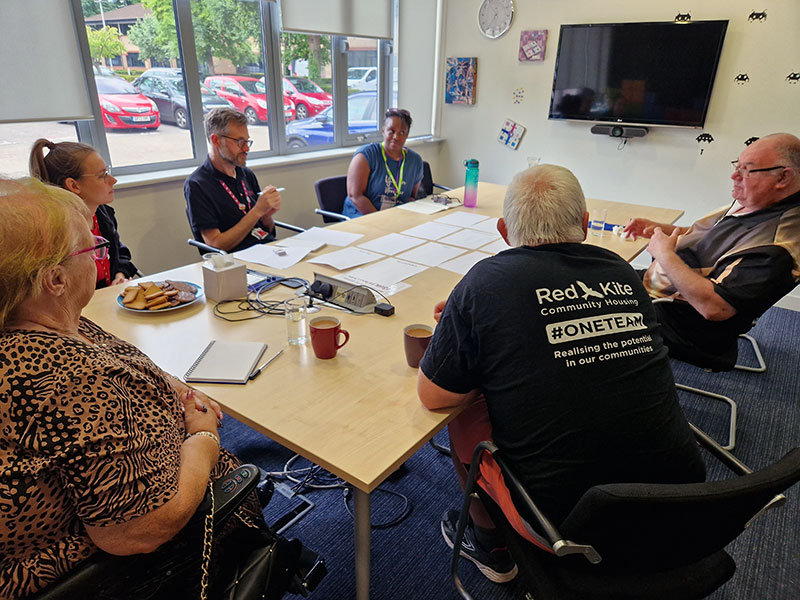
column 495, row 17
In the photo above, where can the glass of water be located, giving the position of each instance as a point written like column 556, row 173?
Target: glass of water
column 296, row 310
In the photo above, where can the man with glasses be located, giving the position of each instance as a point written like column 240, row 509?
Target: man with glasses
column 729, row 267
column 223, row 202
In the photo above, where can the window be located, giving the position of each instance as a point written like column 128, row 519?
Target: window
column 173, row 63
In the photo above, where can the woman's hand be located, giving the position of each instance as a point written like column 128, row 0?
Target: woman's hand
column 196, row 413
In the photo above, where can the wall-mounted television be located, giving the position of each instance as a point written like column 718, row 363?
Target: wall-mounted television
column 637, row 73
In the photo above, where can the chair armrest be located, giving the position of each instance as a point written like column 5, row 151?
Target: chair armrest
column 289, row 226
column 724, row 456
column 333, row 215
column 442, row 187
column 231, row 490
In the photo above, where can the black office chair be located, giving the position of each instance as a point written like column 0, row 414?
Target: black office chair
column 635, row 540
column 245, row 570
column 427, row 185
column 721, row 359
column 331, row 194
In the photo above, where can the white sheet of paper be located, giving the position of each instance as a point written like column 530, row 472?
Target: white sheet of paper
column 496, row 246
column 431, row 230
column 388, row 272
column 346, row 258
column 329, row 236
column 461, row 219
column 300, row 243
column 267, row 255
column 469, row 238
column 431, row 254
column 391, row 244
column 463, row 263
column 489, row 225
column 424, row 206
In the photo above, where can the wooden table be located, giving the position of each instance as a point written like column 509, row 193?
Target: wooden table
column 356, row 415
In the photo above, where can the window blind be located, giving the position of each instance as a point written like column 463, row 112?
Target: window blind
column 357, row 18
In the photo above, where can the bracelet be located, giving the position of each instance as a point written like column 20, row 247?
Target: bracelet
column 205, row 434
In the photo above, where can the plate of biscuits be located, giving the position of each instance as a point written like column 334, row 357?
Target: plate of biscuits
column 159, row 296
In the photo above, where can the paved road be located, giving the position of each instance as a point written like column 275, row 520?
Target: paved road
column 127, row 147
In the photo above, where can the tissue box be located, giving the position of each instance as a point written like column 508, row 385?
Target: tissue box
column 225, row 283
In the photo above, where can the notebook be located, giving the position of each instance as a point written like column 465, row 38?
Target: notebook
column 226, row 362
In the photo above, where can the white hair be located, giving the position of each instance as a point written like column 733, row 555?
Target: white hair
column 544, row 205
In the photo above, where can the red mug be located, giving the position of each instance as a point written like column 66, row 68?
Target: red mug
column 325, row 336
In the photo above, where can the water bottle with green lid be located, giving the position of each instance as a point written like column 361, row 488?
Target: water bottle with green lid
column 471, row 183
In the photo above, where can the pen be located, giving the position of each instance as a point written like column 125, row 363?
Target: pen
column 257, row 372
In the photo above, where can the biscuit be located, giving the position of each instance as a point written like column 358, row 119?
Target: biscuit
column 130, row 295
column 164, row 304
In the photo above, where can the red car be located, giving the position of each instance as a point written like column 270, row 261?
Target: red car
column 123, row 107
column 309, row 99
column 248, row 95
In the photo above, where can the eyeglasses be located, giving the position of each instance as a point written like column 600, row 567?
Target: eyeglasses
column 104, row 175
column 242, row 142
column 100, row 249
column 744, row 172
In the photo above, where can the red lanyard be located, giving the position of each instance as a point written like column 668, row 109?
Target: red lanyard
column 238, row 202
column 103, row 265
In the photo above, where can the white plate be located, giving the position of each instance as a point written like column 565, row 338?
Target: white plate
column 198, row 295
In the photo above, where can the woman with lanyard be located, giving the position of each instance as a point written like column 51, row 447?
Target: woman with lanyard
column 386, row 174
column 81, row 170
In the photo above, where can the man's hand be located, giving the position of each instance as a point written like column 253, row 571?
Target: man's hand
column 269, row 202
column 662, row 244
column 640, row 228
column 437, row 310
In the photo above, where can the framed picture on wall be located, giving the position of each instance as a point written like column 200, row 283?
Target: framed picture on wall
column 532, row 44
column 460, row 80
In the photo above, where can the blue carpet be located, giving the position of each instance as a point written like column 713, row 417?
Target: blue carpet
column 410, row 559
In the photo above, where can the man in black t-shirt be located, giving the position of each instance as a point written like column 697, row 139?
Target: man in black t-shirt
column 223, row 202
column 733, row 264
column 554, row 344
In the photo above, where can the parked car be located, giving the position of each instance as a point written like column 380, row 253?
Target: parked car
column 248, row 95
column 168, row 91
column 309, row 99
column 314, row 131
column 362, row 78
column 103, row 71
column 123, row 107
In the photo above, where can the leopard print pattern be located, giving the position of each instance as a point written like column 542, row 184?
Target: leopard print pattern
column 90, row 434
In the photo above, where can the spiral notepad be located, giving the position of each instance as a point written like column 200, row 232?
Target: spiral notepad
column 226, row 362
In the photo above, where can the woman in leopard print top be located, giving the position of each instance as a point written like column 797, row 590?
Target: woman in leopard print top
column 96, row 444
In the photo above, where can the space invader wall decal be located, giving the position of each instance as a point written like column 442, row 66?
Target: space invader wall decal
column 510, row 134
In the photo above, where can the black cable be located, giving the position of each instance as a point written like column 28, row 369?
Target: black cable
column 254, row 303
column 406, row 510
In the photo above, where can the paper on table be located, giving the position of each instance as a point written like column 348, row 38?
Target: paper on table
column 424, row 206
column 463, row 263
column 461, row 219
column 329, row 236
column 431, row 254
column 267, row 255
column 469, row 238
column 496, row 246
column 301, row 243
column 391, row 244
column 388, row 272
column 489, row 225
column 346, row 258
column 431, row 230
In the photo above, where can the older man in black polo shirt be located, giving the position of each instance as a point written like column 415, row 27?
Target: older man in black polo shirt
column 223, row 202
column 733, row 264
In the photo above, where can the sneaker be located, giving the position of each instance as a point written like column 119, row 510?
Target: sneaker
column 496, row 565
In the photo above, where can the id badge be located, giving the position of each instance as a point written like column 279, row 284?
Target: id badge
column 387, row 202
column 259, row 233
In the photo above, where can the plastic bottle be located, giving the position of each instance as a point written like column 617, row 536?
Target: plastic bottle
column 471, row 183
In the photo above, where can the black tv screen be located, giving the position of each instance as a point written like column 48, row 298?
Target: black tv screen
column 638, row 73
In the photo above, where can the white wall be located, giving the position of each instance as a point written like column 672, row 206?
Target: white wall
column 664, row 168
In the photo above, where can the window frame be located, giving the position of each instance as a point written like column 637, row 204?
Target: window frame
column 93, row 132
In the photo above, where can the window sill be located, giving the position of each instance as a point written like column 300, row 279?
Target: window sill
column 169, row 175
